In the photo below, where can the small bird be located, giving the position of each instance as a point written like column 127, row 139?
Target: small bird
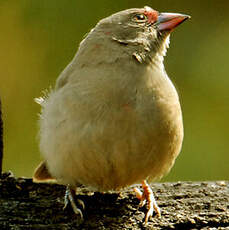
column 114, row 117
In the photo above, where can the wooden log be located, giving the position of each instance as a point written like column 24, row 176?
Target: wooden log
column 184, row 205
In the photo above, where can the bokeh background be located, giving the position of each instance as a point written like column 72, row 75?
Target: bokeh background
column 39, row 38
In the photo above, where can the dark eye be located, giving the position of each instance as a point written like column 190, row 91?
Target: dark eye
column 140, row 18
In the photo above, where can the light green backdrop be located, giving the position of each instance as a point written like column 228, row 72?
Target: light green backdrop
column 39, row 37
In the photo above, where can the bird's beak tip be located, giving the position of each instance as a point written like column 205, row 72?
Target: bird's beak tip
column 168, row 21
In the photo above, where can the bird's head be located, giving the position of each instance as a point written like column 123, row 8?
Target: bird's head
column 143, row 31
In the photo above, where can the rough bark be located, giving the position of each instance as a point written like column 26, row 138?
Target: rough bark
column 184, row 205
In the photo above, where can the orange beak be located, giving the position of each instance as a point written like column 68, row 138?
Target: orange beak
column 168, row 21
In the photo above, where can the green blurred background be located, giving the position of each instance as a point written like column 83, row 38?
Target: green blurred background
column 38, row 38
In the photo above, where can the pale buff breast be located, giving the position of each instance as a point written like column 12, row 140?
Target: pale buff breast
column 108, row 146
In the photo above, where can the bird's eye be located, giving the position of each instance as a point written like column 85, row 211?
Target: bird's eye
column 140, row 18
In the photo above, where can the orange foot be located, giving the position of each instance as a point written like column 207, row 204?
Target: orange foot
column 147, row 196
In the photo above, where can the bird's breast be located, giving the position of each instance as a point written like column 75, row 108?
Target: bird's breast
column 112, row 136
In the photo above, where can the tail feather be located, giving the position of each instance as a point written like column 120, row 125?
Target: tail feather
column 41, row 174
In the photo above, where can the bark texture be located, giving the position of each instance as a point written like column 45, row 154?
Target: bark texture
column 184, row 205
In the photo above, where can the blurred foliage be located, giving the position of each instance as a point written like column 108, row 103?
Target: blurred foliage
column 39, row 38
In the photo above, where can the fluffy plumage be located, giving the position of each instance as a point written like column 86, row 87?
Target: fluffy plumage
column 114, row 117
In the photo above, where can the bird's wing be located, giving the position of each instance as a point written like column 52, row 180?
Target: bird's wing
column 66, row 73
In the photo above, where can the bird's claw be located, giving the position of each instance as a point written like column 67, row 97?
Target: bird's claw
column 147, row 196
column 69, row 198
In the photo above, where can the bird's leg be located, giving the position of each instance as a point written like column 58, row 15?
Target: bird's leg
column 147, row 196
column 70, row 198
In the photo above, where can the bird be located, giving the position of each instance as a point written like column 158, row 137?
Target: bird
column 114, row 118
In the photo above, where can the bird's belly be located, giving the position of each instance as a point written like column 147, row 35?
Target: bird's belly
column 111, row 153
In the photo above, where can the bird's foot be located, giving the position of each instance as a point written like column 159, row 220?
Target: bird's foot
column 147, row 196
column 70, row 199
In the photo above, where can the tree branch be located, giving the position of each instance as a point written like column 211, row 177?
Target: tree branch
column 184, row 205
